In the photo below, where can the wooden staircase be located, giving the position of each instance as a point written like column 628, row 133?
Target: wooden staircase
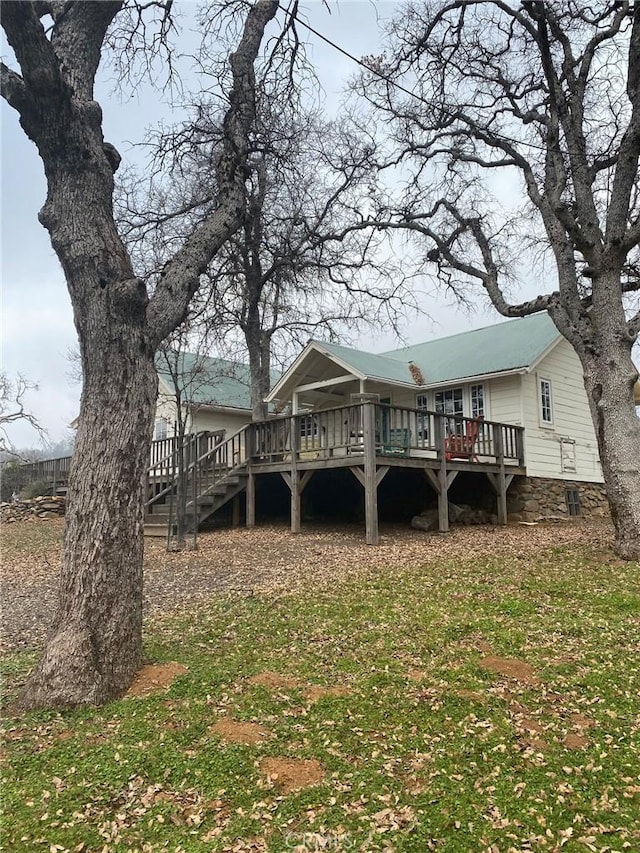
column 210, row 480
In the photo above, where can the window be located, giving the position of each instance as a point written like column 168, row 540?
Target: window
column 160, row 430
column 573, row 502
column 568, row 455
column 477, row 401
column 308, row 426
column 449, row 402
column 422, row 402
column 546, row 402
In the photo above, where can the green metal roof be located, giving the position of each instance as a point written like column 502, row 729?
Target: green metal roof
column 211, row 381
column 369, row 364
column 512, row 345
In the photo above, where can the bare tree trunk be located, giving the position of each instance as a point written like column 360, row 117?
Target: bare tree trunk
column 618, row 432
column 94, row 645
column 258, row 366
column 258, row 406
column 609, row 377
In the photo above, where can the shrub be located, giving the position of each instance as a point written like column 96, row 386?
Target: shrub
column 12, row 477
column 35, row 489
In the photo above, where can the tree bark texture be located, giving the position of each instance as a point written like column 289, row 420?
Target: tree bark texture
column 94, row 646
column 618, row 433
column 604, row 349
column 537, row 72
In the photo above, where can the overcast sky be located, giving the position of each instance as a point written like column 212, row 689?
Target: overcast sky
column 37, row 322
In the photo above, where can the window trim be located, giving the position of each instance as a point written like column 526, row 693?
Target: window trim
column 547, row 423
column 423, row 420
column 453, row 420
column 481, row 398
column 161, row 422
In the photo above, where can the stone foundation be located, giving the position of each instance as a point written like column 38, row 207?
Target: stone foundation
column 539, row 498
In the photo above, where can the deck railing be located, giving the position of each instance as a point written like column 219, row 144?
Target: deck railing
column 55, row 472
column 399, row 431
column 164, row 449
column 203, row 463
column 328, row 433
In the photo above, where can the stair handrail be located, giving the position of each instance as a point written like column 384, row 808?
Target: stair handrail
column 216, row 450
column 169, row 458
column 221, row 450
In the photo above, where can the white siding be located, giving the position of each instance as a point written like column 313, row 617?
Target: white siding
column 166, row 409
column 200, row 420
column 571, row 419
column 211, row 420
column 503, row 400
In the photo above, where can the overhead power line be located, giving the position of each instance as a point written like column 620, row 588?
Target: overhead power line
column 390, row 81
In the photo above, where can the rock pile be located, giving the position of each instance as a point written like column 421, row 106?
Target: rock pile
column 458, row 514
column 42, row 507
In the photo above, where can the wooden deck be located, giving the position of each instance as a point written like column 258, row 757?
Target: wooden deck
column 369, row 439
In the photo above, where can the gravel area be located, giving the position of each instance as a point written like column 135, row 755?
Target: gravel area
column 266, row 560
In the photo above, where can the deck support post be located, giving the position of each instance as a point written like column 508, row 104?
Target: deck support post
column 294, row 484
column 501, row 485
column 443, row 485
column 500, row 482
column 436, row 480
column 235, row 511
column 297, row 485
column 251, row 498
column 370, row 480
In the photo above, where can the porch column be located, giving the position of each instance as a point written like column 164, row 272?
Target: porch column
column 251, row 498
column 294, row 485
column 443, row 486
column 370, row 479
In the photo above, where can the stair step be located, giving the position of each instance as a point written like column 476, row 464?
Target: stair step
column 215, row 487
column 155, row 529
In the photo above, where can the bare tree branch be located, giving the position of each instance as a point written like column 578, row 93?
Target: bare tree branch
column 13, row 410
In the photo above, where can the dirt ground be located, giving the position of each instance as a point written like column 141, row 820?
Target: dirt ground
column 266, row 559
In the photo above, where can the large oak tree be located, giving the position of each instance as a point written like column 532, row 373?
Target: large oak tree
column 297, row 266
column 515, row 127
column 94, row 645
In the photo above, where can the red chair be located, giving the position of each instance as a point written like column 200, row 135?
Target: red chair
column 463, row 446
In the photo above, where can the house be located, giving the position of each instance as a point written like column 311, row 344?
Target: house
column 214, row 393
column 496, row 418
column 519, row 372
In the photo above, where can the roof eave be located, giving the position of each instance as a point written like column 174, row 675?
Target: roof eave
column 479, row 377
column 545, row 352
column 272, row 396
column 214, row 407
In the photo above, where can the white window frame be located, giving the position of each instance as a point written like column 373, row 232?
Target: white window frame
column 422, row 403
column 545, row 389
column 453, row 422
column 161, row 426
column 477, row 411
